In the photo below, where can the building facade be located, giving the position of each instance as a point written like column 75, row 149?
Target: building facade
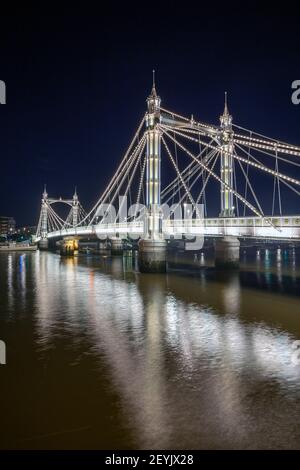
column 7, row 225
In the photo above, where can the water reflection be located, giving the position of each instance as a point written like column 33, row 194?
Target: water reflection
column 196, row 360
column 10, row 286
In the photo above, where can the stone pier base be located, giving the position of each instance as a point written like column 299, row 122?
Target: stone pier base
column 43, row 244
column 152, row 256
column 227, row 252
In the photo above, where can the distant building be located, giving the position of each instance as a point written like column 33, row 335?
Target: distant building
column 7, row 225
column 27, row 230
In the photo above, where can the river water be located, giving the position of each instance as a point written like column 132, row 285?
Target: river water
column 100, row 356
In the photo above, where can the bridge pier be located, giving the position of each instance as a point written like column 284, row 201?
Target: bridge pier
column 116, row 246
column 227, row 252
column 43, row 244
column 152, row 256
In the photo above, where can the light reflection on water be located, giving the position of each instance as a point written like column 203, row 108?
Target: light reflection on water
column 101, row 356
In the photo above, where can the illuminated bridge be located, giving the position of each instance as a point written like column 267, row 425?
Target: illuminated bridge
column 174, row 167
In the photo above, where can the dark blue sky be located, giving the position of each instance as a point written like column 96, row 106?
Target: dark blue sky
column 77, row 82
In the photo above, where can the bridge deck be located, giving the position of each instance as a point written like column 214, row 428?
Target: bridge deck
column 248, row 227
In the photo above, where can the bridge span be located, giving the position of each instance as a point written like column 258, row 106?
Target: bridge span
column 173, row 161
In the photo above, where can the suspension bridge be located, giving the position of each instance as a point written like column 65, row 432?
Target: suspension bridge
column 174, row 167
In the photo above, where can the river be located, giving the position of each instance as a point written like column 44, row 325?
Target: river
column 100, row 356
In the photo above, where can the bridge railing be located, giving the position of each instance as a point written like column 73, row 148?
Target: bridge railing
column 72, row 231
column 120, row 228
column 269, row 227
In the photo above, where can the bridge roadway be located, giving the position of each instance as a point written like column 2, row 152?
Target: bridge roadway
column 272, row 228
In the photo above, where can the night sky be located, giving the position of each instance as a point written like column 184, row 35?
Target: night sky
column 77, row 81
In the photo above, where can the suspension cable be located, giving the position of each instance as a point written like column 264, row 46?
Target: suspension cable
column 250, row 206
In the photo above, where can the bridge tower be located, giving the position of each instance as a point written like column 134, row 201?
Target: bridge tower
column 75, row 209
column 153, row 165
column 43, row 243
column 226, row 162
column 227, row 249
column 152, row 249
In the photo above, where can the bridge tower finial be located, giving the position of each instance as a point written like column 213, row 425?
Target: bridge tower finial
column 153, row 100
column 226, row 118
column 153, row 90
column 225, row 105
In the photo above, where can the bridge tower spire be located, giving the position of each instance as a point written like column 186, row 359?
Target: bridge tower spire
column 226, row 166
column 75, row 209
